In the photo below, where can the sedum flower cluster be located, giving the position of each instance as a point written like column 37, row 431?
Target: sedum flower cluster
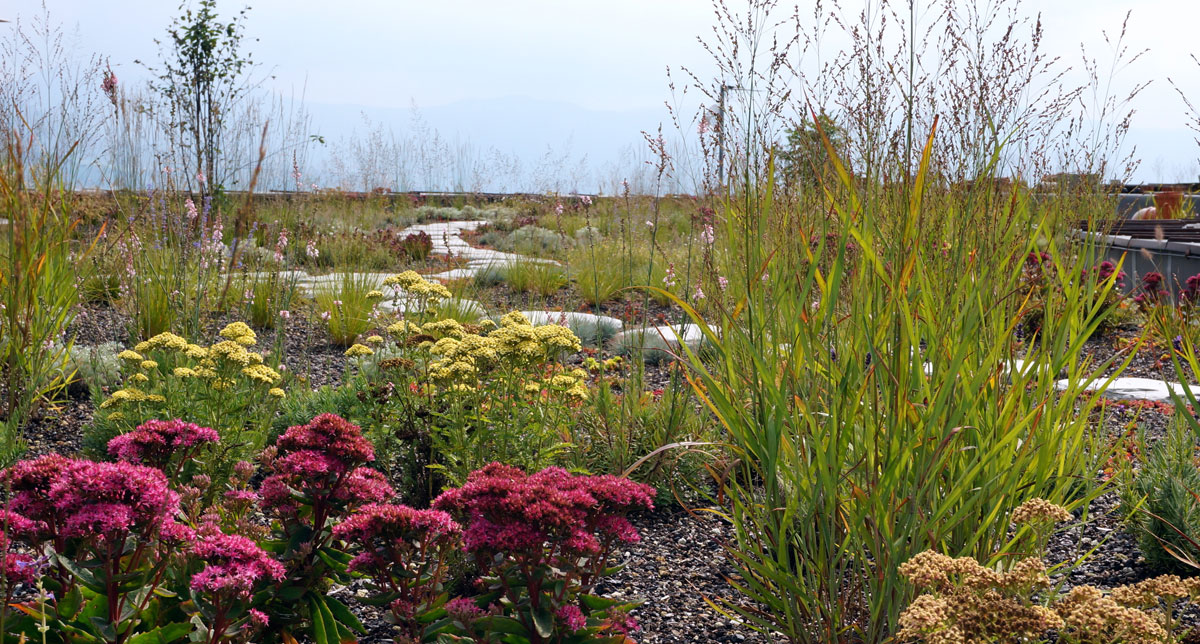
column 405, row 553
column 543, row 540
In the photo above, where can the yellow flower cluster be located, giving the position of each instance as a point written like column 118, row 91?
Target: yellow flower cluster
column 573, row 384
column 358, row 351
column 131, row 395
column 240, row 333
column 229, row 353
column 168, row 341
column 414, row 284
column 1040, row 511
column 462, row 357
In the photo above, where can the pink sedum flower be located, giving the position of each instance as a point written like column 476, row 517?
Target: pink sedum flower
column 235, row 565
column 572, row 617
column 155, row 442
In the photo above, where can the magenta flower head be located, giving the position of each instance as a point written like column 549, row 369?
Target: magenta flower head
column 235, row 565
column 111, row 499
column 155, row 442
column 509, row 511
column 390, row 535
column 322, row 461
column 30, row 481
column 331, row 435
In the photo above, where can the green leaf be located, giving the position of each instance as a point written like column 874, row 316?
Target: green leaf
column 70, row 604
column 344, row 616
column 162, row 634
column 543, row 620
column 320, row 632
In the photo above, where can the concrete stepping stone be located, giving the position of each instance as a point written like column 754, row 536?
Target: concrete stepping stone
column 660, row 338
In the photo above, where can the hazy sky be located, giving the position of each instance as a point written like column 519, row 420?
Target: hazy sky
column 596, row 54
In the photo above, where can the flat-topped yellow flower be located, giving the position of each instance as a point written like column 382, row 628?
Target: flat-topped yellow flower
column 276, row 392
column 184, row 372
column 374, row 295
column 262, row 373
column 166, row 340
column 139, row 377
column 375, row 340
column 196, row 352
column 233, row 352
column 358, row 350
column 447, row 327
column 132, row 356
column 149, row 364
column 239, row 332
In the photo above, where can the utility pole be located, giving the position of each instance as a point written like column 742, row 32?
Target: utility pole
column 725, row 87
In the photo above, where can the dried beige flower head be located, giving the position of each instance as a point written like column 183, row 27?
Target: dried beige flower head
column 1151, row 593
column 1090, row 617
column 1040, row 511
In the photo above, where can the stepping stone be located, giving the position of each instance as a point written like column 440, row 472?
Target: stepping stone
column 660, row 338
column 1135, row 388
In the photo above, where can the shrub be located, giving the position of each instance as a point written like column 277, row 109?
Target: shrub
column 542, row 543
column 1163, row 493
column 537, row 241
column 96, row 368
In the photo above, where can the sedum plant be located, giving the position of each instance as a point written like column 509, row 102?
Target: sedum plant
column 542, row 542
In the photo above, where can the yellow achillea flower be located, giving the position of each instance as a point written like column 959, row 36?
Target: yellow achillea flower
column 375, row 339
column 262, row 373
column 404, row 280
column 156, row 398
column 204, row 372
column 165, row 341
column 222, row 384
column 533, row 388
column 276, row 392
column 233, row 352
column 184, row 372
column 446, row 327
column 139, row 377
column 403, row 327
column 196, row 352
column 132, row 356
column 554, row 336
column 358, row 350
column 116, row 415
column 239, row 332
column 514, row 318
column 149, row 364
column 374, row 295
column 129, row 394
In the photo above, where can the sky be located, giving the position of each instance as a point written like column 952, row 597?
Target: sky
column 598, row 60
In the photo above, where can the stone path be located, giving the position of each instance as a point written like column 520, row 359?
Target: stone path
column 447, row 240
